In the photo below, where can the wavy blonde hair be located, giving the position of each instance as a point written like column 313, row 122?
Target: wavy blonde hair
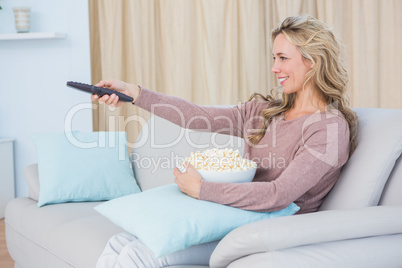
column 317, row 44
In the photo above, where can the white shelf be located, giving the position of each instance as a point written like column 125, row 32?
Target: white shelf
column 26, row 36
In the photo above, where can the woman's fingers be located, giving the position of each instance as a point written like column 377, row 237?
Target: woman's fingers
column 100, row 84
column 113, row 99
column 105, row 83
column 116, row 101
column 94, row 97
column 103, row 99
column 176, row 172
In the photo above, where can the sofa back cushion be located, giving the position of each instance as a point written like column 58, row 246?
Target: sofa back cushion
column 364, row 176
column 392, row 191
column 31, row 175
column 161, row 144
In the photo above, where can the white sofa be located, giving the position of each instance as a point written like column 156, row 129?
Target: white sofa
column 358, row 225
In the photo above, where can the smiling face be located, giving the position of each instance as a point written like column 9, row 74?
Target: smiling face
column 289, row 65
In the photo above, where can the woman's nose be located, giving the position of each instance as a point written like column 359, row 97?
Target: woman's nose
column 275, row 68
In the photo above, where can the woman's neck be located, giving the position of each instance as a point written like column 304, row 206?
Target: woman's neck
column 306, row 102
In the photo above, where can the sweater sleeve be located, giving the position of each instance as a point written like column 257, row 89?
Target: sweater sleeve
column 226, row 120
column 320, row 157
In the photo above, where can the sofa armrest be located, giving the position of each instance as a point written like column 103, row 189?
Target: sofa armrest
column 368, row 252
column 298, row 230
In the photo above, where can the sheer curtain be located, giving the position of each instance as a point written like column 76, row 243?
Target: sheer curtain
column 218, row 51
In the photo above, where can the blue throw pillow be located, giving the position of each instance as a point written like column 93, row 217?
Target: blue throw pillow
column 78, row 166
column 166, row 220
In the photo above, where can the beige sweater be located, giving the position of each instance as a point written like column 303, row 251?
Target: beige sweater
column 297, row 160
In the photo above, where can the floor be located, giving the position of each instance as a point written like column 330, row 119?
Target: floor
column 5, row 259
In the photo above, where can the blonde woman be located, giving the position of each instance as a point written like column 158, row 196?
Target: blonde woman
column 310, row 132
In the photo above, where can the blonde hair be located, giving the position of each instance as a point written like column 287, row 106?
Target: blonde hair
column 317, row 44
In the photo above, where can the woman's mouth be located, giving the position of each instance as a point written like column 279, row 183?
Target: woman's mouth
column 282, row 79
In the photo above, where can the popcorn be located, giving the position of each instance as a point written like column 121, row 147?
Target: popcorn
column 220, row 160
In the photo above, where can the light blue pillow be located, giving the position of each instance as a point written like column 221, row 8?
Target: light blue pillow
column 166, row 220
column 78, row 166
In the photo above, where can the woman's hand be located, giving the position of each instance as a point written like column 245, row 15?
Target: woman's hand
column 123, row 87
column 189, row 182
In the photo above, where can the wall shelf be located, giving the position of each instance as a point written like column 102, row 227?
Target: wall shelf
column 30, row 36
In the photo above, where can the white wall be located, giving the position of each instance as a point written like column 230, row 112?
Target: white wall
column 33, row 75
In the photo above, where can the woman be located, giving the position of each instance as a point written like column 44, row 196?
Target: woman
column 310, row 132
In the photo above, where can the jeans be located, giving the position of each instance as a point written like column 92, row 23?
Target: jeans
column 125, row 250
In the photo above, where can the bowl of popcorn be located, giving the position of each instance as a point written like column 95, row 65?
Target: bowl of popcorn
column 222, row 165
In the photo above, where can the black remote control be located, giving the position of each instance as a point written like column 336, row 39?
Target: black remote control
column 100, row 91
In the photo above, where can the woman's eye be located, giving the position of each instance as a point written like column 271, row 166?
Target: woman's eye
column 282, row 58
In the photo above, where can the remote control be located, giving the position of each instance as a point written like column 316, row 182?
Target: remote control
column 100, row 91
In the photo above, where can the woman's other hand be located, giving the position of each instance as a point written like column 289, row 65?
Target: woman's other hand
column 189, row 182
column 123, row 87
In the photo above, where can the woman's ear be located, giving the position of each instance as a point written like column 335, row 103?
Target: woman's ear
column 309, row 63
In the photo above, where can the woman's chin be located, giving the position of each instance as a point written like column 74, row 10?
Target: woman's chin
column 286, row 91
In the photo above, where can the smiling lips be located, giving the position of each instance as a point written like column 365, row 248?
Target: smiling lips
column 282, row 79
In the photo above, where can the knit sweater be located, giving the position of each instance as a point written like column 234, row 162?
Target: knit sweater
column 297, row 160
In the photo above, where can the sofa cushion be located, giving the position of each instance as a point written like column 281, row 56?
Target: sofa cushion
column 166, row 220
column 31, row 175
column 78, row 166
column 161, row 144
column 62, row 235
column 391, row 195
column 362, row 179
